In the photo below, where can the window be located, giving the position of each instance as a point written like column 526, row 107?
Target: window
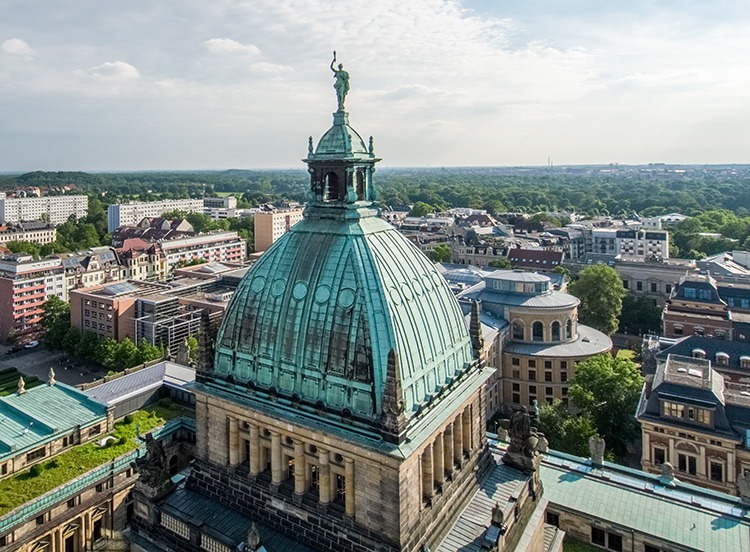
column 72, row 502
column 548, row 365
column 563, row 365
column 517, row 387
column 689, row 293
column 515, row 361
column 686, row 464
column 4, row 468
column 532, row 375
column 668, row 288
column 660, row 456
column 569, row 329
column 625, row 284
column 555, row 331
column 716, row 470
column 598, row 536
column 549, row 391
column 563, row 377
column 36, row 454
column 654, row 287
column 517, row 330
column 40, row 520
column 639, row 286
column 537, row 331
column 699, row 415
column 532, row 389
column 553, row 519
column 548, row 375
column 516, row 398
column 532, row 363
column 650, row 548
column 673, row 410
column 614, row 542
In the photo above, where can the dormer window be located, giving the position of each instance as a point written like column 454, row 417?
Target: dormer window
column 699, row 353
column 745, row 361
column 722, row 359
column 673, row 410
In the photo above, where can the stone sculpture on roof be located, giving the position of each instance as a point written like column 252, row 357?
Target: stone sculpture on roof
column 522, row 451
column 596, row 449
column 342, row 82
column 152, row 466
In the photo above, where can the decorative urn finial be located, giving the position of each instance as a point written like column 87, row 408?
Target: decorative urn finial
column 51, row 376
column 21, row 386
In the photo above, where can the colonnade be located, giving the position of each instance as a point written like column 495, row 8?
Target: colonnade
column 306, row 459
column 446, row 453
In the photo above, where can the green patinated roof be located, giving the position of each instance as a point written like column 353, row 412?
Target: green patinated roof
column 341, row 140
column 319, row 312
column 38, row 415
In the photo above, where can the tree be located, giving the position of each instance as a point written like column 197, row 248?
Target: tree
column 147, row 352
column 559, row 269
column 105, row 352
column 71, row 341
column 565, row 432
column 126, row 355
column 640, row 315
column 29, row 248
column 441, row 253
column 608, row 389
column 55, row 321
column 600, row 290
column 502, row 263
column 193, row 348
column 421, row 209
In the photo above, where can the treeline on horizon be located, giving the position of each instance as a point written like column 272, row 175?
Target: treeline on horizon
column 615, row 195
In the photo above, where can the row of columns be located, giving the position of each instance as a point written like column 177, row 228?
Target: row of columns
column 446, row 452
column 325, row 486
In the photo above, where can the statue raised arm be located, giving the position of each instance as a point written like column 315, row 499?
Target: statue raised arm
column 342, row 82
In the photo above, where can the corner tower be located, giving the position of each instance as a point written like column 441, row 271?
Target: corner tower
column 344, row 394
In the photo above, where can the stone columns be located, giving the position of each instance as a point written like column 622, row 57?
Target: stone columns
column 57, row 540
column 255, row 468
column 730, row 476
column 428, row 479
column 448, row 449
column 438, row 459
column 276, row 468
column 458, row 440
column 324, row 478
column 234, row 442
column 349, row 475
column 466, row 420
column 299, row 468
column 672, row 457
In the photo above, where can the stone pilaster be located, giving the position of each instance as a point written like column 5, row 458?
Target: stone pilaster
column 276, row 467
column 349, row 474
column 324, row 478
column 234, row 442
column 254, row 459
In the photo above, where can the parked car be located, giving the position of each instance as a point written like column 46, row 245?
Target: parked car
column 15, row 349
column 31, row 344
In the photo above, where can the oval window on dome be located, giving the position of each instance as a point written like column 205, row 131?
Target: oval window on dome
column 322, row 294
column 416, row 286
column 395, row 297
column 299, row 291
column 437, row 279
column 426, row 282
column 278, row 287
column 346, row 297
column 258, row 283
column 406, row 291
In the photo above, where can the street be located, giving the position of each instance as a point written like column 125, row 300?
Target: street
column 38, row 361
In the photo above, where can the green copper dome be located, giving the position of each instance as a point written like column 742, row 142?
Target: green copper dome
column 318, row 314
column 343, row 316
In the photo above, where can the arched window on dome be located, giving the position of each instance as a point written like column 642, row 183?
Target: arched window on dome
column 517, row 330
column 537, row 331
column 331, row 192
column 569, row 329
column 360, row 185
column 555, row 331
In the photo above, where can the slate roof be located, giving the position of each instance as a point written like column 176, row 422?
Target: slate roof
column 135, row 383
column 225, row 524
column 711, row 346
column 589, row 342
column 43, row 413
column 490, row 296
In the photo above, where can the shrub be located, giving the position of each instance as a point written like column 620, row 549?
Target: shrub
column 36, row 470
column 128, row 419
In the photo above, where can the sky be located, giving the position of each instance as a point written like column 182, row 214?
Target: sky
column 104, row 85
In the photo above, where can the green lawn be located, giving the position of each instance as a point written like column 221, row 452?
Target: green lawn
column 20, row 488
column 570, row 545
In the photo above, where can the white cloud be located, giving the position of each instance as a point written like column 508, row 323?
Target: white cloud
column 115, row 70
column 229, row 46
column 16, row 47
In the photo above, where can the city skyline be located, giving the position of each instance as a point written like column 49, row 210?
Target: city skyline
column 189, row 86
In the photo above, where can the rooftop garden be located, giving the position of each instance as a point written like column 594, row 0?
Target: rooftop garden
column 41, row 478
column 9, row 381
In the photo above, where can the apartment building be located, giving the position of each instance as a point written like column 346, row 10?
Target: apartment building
column 130, row 214
column 35, row 231
column 694, row 418
column 55, row 209
column 225, row 247
column 271, row 225
column 25, row 285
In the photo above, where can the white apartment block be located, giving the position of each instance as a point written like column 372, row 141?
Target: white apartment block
column 271, row 225
column 638, row 243
column 34, row 231
column 56, row 209
column 130, row 214
column 225, row 247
